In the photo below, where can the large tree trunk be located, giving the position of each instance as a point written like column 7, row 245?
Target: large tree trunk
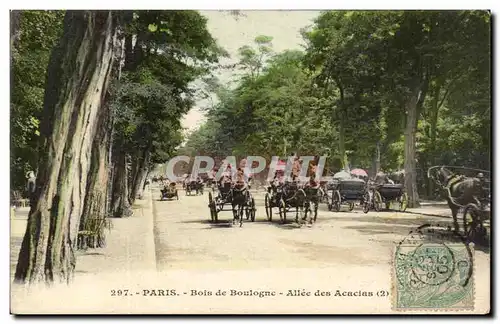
column 410, row 164
column 93, row 219
column 121, row 205
column 77, row 80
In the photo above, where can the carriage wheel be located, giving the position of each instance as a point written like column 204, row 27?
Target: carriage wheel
column 177, row 195
column 351, row 206
column 473, row 227
column 403, row 202
column 336, row 199
column 253, row 210
column 377, row 201
column 324, row 196
column 269, row 209
column 282, row 210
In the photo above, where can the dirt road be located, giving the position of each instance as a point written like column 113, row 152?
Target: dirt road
column 344, row 250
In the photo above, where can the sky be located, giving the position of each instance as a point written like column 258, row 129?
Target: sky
column 232, row 33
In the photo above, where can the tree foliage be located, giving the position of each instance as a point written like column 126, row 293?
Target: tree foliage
column 349, row 93
column 38, row 33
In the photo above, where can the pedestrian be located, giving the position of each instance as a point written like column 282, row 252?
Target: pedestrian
column 31, row 187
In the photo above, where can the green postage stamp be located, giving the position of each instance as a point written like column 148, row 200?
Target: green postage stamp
column 432, row 275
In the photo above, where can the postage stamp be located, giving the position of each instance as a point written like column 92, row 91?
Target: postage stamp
column 432, row 274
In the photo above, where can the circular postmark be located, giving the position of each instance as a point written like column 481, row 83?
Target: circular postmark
column 433, row 264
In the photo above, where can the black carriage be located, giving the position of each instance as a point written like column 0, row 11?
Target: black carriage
column 346, row 191
column 227, row 194
column 169, row 192
column 475, row 217
column 194, row 186
column 380, row 195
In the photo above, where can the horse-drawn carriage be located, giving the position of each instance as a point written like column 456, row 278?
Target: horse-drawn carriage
column 195, row 186
column 290, row 194
column 345, row 191
column 468, row 193
column 379, row 195
column 169, row 192
column 238, row 197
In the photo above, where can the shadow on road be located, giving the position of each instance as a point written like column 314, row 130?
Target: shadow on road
column 221, row 223
column 196, row 221
column 224, row 223
column 276, row 222
column 442, row 229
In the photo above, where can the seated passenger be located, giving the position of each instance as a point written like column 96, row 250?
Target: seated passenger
column 381, row 178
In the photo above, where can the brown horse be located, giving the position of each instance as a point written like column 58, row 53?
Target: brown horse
column 459, row 191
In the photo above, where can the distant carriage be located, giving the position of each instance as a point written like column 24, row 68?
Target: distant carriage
column 379, row 195
column 194, row 186
column 169, row 192
column 346, row 191
column 240, row 200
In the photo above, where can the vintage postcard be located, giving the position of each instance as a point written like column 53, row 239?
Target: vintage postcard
column 250, row 162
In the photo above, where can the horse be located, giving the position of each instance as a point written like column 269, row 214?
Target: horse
column 239, row 199
column 292, row 196
column 313, row 196
column 460, row 191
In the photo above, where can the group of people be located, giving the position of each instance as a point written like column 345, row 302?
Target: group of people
column 237, row 179
column 280, row 179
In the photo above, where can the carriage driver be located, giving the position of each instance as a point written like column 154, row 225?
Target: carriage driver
column 296, row 167
column 225, row 177
column 240, row 181
column 278, row 178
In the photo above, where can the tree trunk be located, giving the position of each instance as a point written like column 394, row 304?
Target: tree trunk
column 77, row 81
column 410, row 148
column 140, row 176
column 95, row 206
column 376, row 159
column 132, row 174
column 120, row 205
column 434, row 114
column 15, row 32
column 343, row 154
